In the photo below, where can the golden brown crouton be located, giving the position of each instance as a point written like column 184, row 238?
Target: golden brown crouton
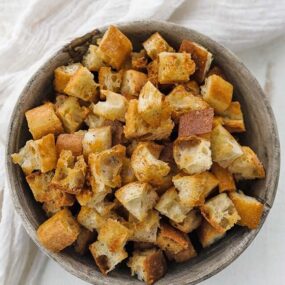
column 152, row 72
column 90, row 218
column 42, row 121
column 127, row 173
column 110, row 80
column 139, row 60
column 92, row 59
column 249, row 209
column 84, row 238
column 115, row 47
column 93, row 121
column 59, row 231
column 72, row 142
column 174, row 67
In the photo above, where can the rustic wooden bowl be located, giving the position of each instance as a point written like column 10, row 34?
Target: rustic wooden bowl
column 262, row 136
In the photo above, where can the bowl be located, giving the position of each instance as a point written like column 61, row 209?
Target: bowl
column 262, row 136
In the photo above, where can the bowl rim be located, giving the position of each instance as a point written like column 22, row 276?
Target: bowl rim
column 59, row 257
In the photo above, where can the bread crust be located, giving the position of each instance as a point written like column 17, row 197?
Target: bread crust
column 72, row 142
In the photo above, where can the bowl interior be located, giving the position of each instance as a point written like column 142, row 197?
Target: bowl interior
column 261, row 136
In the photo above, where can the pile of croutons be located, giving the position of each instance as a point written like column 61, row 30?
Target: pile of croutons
column 138, row 149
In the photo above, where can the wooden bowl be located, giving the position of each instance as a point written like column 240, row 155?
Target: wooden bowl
column 261, row 135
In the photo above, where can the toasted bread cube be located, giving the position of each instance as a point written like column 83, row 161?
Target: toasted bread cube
column 175, row 243
column 93, row 121
column 70, row 113
column 192, row 87
column 174, row 67
column 226, row 180
column 249, row 209
column 106, row 166
column 182, row 102
column 170, row 206
column 82, row 85
column 62, row 75
column 59, row 231
column 84, row 238
column 37, row 155
column 202, row 58
column 115, row 47
column 133, row 81
column 194, row 189
column 50, row 208
column 196, row 122
column 156, row 44
column 139, row 60
column 146, row 165
column 192, row 154
column 217, row 92
column 152, row 72
column 97, row 140
column 247, row 166
column 127, row 173
column 208, row 235
column 220, row 212
column 225, row 149
column 70, row 173
column 42, row 121
column 72, row 142
column 90, row 218
column 114, row 108
column 190, row 223
column 138, row 198
column 92, row 59
column 110, row 80
column 149, row 265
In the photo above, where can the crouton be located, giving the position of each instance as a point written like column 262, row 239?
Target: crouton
column 37, row 155
column 138, row 198
column 110, row 80
column 106, row 166
column 50, row 208
column 247, row 166
column 149, row 265
column 90, row 218
column 174, row 67
column 170, row 206
column 208, row 235
column 152, row 72
column 226, row 180
column 192, row 154
column 92, row 59
column 97, row 140
column 82, row 85
column 114, row 108
column 133, row 81
column 72, row 142
column 156, row 44
column 249, row 209
column 190, row 223
column 146, row 165
column 70, row 113
column 59, row 231
column 192, row 87
column 196, row 122
column 217, row 92
column 83, row 240
column 139, row 60
column 127, row 173
column 194, row 189
column 225, row 149
column 220, row 212
column 42, row 121
column 115, row 47
column 62, row 75
column 93, row 121
column 70, row 173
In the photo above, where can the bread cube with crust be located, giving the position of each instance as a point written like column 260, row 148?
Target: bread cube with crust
column 114, row 108
column 192, row 154
column 139, row 60
column 194, row 189
column 226, row 180
column 50, row 208
column 37, row 155
column 225, row 149
column 82, row 85
column 249, row 209
column 247, row 166
column 110, row 80
column 201, row 56
column 174, row 67
column 220, row 212
column 43, row 120
column 149, row 265
column 83, row 240
column 70, row 173
column 146, row 165
column 156, row 44
column 59, row 231
column 62, row 75
column 93, row 121
column 217, row 92
column 138, row 198
column 72, row 142
column 127, row 173
column 115, row 47
column 152, row 72
column 92, row 59
column 106, row 166
column 90, row 218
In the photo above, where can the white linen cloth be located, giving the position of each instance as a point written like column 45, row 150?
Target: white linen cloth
column 32, row 30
